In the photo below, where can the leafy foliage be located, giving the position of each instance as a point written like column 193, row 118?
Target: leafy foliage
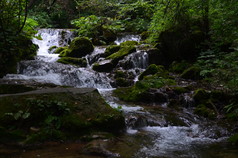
column 221, row 68
column 16, row 32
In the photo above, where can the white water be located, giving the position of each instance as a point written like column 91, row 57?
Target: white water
column 124, row 38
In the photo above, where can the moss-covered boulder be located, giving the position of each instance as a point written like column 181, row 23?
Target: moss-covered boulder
column 52, row 49
column 110, row 50
column 78, row 48
column 56, row 114
column 103, row 66
column 154, row 69
column 81, row 62
column 59, row 50
column 192, row 73
column 126, row 48
column 204, row 111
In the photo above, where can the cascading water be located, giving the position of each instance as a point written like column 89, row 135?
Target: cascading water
column 162, row 137
column 45, row 68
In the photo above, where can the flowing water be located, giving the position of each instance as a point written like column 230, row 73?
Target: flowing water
column 151, row 132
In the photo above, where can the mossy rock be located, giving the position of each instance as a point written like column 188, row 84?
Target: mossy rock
column 180, row 90
column 103, row 66
column 124, row 51
column 110, row 50
column 179, row 67
column 137, row 92
column 151, row 70
column 79, row 47
column 81, row 62
column 14, row 88
column 57, row 113
column 59, row 50
column 52, row 49
column 122, row 82
column 203, row 110
column 192, row 73
column 129, row 43
column 119, row 73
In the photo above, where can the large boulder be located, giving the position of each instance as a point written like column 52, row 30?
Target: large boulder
column 79, row 47
column 103, row 66
column 180, row 43
column 55, row 114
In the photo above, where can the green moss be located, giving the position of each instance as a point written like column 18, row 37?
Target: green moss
column 128, row 43
column 111, row 49
column 201, row 96
column 204, row 111
column 52, row 48
column 119, row 73
column 73, row 61
column 64, row 52
column 59, row 50
column 124, row 51
column 122, row 82
column 179, row 67
column 79, row 47
column 59, row 115
column 14, row 88
column 136, row 92
column 192, row 73
column 126, row 48
column 180, row 90
column 153, row 69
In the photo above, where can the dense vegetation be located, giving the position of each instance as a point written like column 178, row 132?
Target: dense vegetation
column 197, row 33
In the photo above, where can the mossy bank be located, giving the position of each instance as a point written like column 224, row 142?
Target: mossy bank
column 56, row 114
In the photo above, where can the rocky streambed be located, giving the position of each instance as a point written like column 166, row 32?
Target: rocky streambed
column 131, row 106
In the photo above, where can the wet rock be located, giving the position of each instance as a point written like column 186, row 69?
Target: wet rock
column 154, row 96
column 103, row 66
column 59, row 50
column 126, row 48
column 78, row 48
column 110, row 50
column 151, row 70
column 81, row 62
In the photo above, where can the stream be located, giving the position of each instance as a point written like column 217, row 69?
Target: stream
column 152, row 131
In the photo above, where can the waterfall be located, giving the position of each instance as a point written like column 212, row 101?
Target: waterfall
column 161, row 131
column 45, row 68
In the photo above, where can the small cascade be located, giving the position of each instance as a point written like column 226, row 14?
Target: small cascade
column 135, row 60
column 49, row 38
column 123, row 38
column 45, row 68
column 95, row 55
